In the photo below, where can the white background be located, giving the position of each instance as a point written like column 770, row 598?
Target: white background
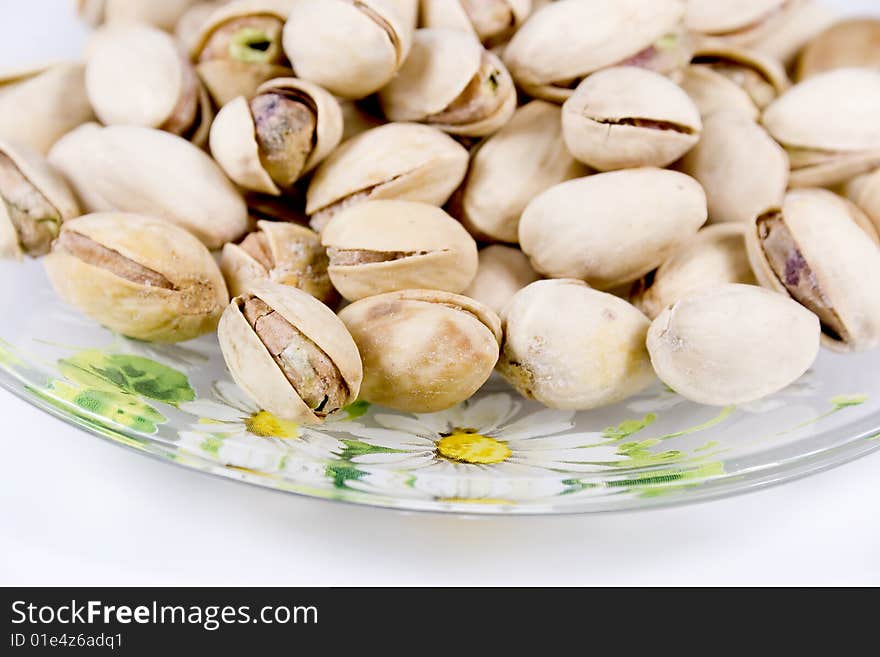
column 75, row 510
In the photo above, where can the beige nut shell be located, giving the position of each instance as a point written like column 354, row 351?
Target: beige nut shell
column 164, row 14
column 716, row 18
column 854, row 42
column 503, row 272
column 452, row 14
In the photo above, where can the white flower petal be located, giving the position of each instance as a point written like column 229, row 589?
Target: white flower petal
column 406, row 424
column 211, row 410
column 230, row 394
column 392, row 439
column 409, row 461
column 541, row 423
column 488, row 413
column 564, row 441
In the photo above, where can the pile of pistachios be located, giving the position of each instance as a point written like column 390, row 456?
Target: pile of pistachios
column 405, row 196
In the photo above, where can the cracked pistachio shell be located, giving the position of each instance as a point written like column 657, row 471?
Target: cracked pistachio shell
column 238, row 131
column 715, row 18
column 164, row 14
column 450, row 81
column 526, row 157
column 239, row 48
column 716, row 255
column 503, row 271
column 137, row 75
column 387, row 246
column 864, row 191
column 786, row 35
column 139, row 276
column 611, row 228
column 742, row 169
column 140, row 170
column 424, row 351
column 566, row 41
column 850, row 43
column 397, row 161
column 34, row 202
column 41, row 105
column 352, row 49
column 814, row 249
column 627, row 117
column 189, row 27
column 492, row 21
column 733, row 344
column 302, row 365
column 574, row 348
column 828, row 124
column 280, row 253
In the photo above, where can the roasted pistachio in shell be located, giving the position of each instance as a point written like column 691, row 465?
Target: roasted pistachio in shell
column 164, row 14
column 34, row 201
column 813, row 250
column 714, row 256
column 627, row 117
column 854, row 42
column 188, row 29
column 423, row 351
column 397, row 161
column 566, row 41
column 864, row 191
column 571, row 347
column 140, row 276
column 526, row 157
column 266, row 144
column 239, row 48
column 743, row 171
column 828, row 124
column 387, row 246
column 290, row 353
column 137, row 75
column 503, row 272
column 280, row 253
column 140, row 170
column 350, row 48
column 491, row 21
column 733, row 344
column 611, row 228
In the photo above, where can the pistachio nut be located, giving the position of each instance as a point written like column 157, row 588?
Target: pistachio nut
column 568, row 40
column 712, row 347
column 571, row 347
column 40, row 106
column 140, row 276
column 239, row 48
column 423, row 351
column 281, row 253
column 266, row 144
column 526, row 157
column 290, row 353
column 402, row 161
column 742, row 169
column 140, row 170
column 409, row 12
column 828, row 124
column 136, row 75
column 491, row 21
column 503, row 271
column 626, row 117
column 352, row 48
column 811, row 249
column 450, row 81
column 849, row 43
column 611, row 228
column 864, row 191
column 387, row 246
column 716, row 255
column 164, row 14
column 34, row 201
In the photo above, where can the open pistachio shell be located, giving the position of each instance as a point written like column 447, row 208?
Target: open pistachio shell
column 352, row 49
column 717, row 346
column 401, row 161
column 138, row 275
column 786, row 35
column 713, row 92
column 267, row 143
column 424, row 351
column 492, row 21
column 627, row 117
column 189, row 27
column 449, row 80
column 34, row 202
column 571, row 347
column 140, row 170
column 854, row 42
column 290, row 353
column 811, row 249
column 714, row 256
column 164, row 14
column 39, row 108
column 743, row 171
column 409, row 12
column 386, row 246
column 828, row 124
column 611, row 228
column 503, row 272
column 566, row 41
column 722, row 19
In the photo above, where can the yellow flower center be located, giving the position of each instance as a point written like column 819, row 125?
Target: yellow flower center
column 467, row 446
column 266, row 425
